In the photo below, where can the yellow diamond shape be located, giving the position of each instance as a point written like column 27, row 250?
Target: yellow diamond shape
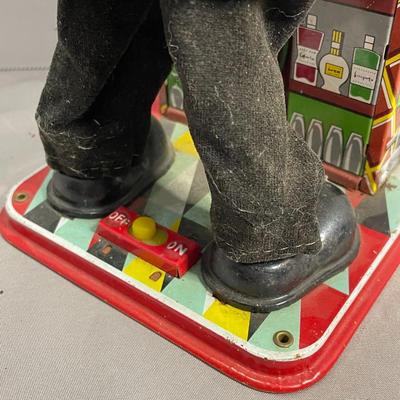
column 185, row 144
column 146, row 273
column 230, row 318
column 175, row 226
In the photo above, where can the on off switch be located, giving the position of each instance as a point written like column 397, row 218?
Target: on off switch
column 156, row 244
column 143, row 228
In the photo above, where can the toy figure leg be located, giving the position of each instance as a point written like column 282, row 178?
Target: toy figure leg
column 264, row 180
column 94, row 113
column 108, row 66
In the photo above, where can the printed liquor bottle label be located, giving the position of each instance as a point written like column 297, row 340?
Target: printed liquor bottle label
column 334, row 70
column 307, row 56
column 363, row 76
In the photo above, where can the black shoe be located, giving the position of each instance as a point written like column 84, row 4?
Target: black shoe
column 95, row 198
column 265, row 287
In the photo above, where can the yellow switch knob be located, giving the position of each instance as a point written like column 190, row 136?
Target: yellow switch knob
column 143, row 228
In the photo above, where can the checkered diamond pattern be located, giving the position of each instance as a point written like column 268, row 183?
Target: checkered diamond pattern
column 180, row 200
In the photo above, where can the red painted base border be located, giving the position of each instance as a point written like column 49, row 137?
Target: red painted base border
column 258, row 373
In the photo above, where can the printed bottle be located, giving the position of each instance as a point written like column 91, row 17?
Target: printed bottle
column 364, row 71
column 309, row 42
column 297, row 123
column 174, row 90
column 333, row 67
column 315, row 137
column 333, row 150
column 353, row 159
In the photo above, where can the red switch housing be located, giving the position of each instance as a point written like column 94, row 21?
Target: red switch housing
column 169, row 251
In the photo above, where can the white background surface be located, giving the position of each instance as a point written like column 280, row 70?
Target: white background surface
column 58, row 342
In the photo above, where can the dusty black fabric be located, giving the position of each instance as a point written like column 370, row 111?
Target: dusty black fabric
column 264, row 180
column 110, row 60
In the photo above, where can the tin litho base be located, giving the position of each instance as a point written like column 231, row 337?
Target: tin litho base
column 282, row 351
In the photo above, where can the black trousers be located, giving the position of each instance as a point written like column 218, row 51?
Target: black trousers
column 111, row 59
